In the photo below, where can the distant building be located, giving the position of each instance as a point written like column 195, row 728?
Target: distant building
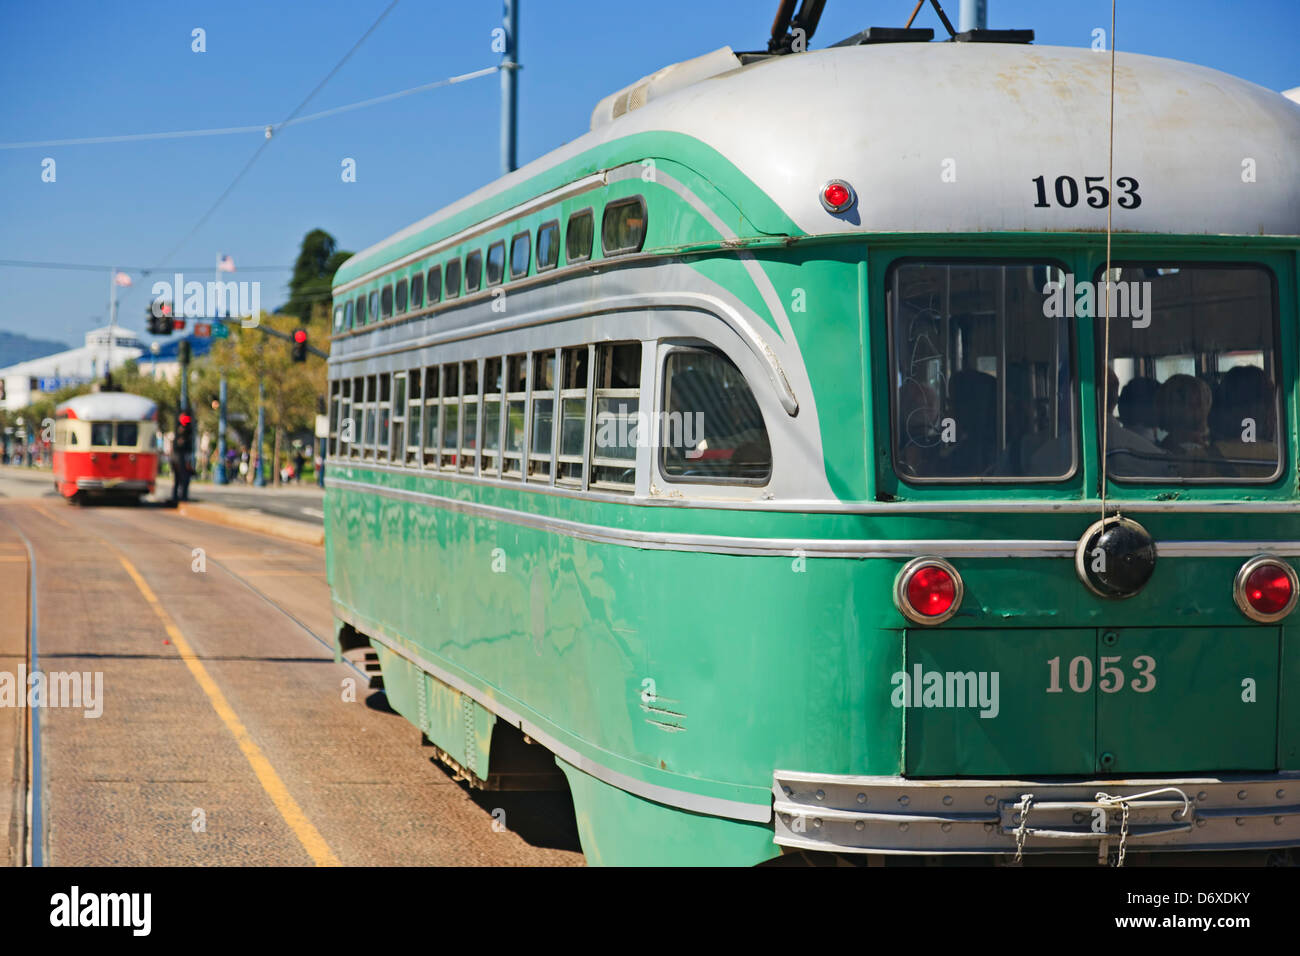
column 25, row 382
column 166, row 362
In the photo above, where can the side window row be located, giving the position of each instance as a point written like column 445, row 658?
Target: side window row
column 623, row 231
column 570, row 417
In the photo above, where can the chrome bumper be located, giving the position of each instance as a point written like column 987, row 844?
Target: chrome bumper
column 845, row 814
column 112, row 484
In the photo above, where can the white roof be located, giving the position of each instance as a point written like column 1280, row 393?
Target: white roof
column 110, row 407
column 887, row 118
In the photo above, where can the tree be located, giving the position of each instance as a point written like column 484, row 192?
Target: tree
column 313, row 276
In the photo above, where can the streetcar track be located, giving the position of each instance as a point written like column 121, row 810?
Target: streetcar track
column 29, row 792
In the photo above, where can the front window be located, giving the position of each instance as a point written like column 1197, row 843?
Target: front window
column 1193, row 377
column 128, row 434
column 982, row 377
column 101, row 434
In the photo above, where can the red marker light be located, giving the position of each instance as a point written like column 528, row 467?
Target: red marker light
column 1266, row 589
column 931, row 591
column 837, row 196
column 928, row 591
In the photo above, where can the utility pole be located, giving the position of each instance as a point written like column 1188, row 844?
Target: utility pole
column 219, row 476
column 510, row 86
column 974, row 15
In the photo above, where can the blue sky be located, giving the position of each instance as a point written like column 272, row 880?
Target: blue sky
column 85, row 69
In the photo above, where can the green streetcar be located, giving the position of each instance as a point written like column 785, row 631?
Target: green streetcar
column 751, row 460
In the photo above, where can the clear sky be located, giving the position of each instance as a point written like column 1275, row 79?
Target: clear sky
column 87, row 68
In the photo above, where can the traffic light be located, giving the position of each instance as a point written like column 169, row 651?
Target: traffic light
column 183, row 351
column 184, row 431
column 159, row 317
column 300, row 345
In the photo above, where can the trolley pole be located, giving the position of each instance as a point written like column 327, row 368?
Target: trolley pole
column 510, row 86
column 219, row 477
column 259, row 478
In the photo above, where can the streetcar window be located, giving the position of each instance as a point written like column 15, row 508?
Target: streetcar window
column 417, row 290
column 346, row 434
column 128, row 434
column 548, row 245
column 386, row 302
column 473, row 271
column 491, row 413
column 361, row 310
column 542, row 396
column 101, row 433
column 577, row 240
column 338, row 318
column 614, row 429
column 1194, row 373
column 372, row 310
column 347, row 319
column 622, row 228
column 333, row 447
column 400, row 295
column 369, row 432
column 398, row 413
column 496, row 262
column 573, row 414
column 450, row 414
column 982, row 378
column 413, row 417
column 453, row 278
column 432, row 403
column 520, row 253
column 516, row 389
column 712, row 429
column 434, row 284
column 469, row 418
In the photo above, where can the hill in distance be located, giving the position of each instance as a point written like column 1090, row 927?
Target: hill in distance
column 16, row 347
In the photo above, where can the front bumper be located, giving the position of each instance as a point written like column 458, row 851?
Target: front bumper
column 133, row 485
column 848, row 814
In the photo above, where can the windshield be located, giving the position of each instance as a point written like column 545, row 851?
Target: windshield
column 982, row 377
column 1193, row 374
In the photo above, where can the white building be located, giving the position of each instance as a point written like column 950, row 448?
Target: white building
column 25, row 382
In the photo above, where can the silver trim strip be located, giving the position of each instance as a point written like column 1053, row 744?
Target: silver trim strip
column 821, row 506
column 713, row 806
column 812, row 547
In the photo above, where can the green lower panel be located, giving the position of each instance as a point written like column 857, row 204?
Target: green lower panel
column 1175, row 700
column 617, row 828
column 981, row 703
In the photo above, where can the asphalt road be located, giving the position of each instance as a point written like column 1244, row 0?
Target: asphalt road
column 227, row 736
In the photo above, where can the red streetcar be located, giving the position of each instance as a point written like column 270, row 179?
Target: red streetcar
column 104, row 446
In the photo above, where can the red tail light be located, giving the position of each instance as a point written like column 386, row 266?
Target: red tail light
column 928, row 591
column 837, row 196
column 1266, row 589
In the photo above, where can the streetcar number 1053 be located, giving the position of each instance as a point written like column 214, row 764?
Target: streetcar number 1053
column 1097, row 195
column 1111, row 676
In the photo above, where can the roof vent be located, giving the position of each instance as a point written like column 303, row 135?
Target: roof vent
column 657, row 84
column 888, row 35
column 994, row 36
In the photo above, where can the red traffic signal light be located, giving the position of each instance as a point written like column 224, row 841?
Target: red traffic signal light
column 300, row 336
column 300, row 345
column 185, row 419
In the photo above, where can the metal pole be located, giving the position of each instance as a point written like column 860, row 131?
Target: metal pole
column 219, row 476
column 259, row 478
column 509, row 86
column 974, row 15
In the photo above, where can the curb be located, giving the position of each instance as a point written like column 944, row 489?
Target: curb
column 253, row 521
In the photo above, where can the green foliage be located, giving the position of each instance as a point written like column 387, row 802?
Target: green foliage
column 313, row 276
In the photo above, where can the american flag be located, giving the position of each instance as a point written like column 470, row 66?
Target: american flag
column 121, row 278
column 225, row 264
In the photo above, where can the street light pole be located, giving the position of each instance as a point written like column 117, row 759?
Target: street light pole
column 509, row 86
column 260, row 478
column 219, row 476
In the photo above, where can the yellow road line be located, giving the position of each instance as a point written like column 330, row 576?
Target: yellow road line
column 292, row 814
column 54, row 519
column 14, row 557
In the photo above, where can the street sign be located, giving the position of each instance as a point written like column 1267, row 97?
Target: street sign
column 220, row 331
column 203, row 330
